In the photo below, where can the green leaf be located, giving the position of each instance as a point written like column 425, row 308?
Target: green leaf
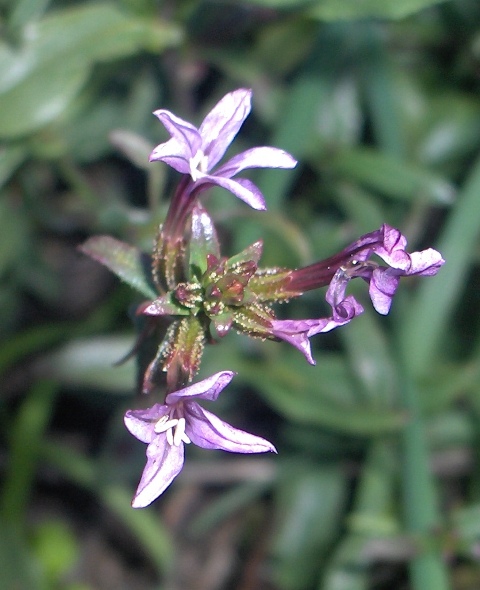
column 42, row 76
column 370, row 359
column 296, row 391
column 91, row 363
column 347, row 9
column 56, row 548
column 450, row 131
column 150, row 531
column 10, row 159
column 40, row 98
column 27, row 433
column 360, row 207
column 309, row 507
column 135, row 147
column 347, row 569
column 221, row 509
column 25, row 11
column 466, row 525
column 127, row 262
column 391, row 176
column 332, row 10
column 422, row 513
column 13, row 236
column 18, row 569
column 373, row 511
column 83, row 472
column 428, row 315
column 165, row 305
column 380, row 87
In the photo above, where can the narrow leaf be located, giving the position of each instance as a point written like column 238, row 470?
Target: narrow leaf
column 425, row 323
column 127, row 262
column 392, row 176
column 28, row 431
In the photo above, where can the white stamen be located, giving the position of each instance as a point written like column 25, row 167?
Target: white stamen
column 179, row 432
column 198, row 165
column 170, row 437
column 185, row 439
column 164, row 424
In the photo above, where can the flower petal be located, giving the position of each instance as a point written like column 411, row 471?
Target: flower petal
column 209, row 432
column 182, row 147
column 223, row 122
column 298, row 332
column 344, row 309
column 208, row 389
column 383, row 285
column 173, row 154
column 186, row 134
column 426, row 262
column 164, row 463
column 141, row 423
column 258, row 157
column 391, row 250
column 295, row 332
column 242, row 188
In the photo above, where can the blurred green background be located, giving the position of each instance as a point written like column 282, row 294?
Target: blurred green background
column 377, row 481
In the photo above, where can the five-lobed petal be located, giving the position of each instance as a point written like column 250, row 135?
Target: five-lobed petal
column 196, row 152
column 167, row 427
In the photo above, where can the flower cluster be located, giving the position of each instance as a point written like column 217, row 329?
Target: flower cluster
column 196, row 296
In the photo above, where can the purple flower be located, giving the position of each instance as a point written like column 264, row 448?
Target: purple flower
column 167, row 427
column 337, row 271
column 354, row 261
column 298, row 332
column 389, row 245
column 197, row 151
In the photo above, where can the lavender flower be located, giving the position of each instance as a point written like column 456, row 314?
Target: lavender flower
column 195, row 151
column 389, row 245
column 354, row 261
column 181, row 420
column 383, row 281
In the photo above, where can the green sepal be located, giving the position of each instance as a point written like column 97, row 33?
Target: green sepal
column 221, row 324
column 203, row 241
column 254, row 320
column 252, row 252
column 164, row 305
column 184, row 352
column 127, row 262
column 272, row 285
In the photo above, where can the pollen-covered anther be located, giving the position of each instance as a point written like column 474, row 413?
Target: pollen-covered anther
column 188, row 294
column 214, row 307
column 165, row 423
column 198, row 165
column 233, row 290
column 245, row 269
column 180, row 435
column 213, row 292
